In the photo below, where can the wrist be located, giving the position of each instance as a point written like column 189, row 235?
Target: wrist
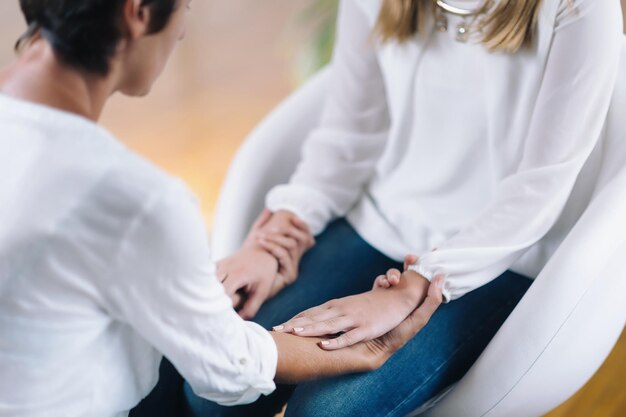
column 413, row 288
column 372, row 355
column 282, row 216
column 284, row 212
column 266, row 256
column 368, row 356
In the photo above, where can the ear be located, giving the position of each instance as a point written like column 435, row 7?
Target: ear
column 136, row 18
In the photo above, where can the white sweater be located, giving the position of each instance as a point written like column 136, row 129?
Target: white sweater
column 104, row 268
column 440, row 144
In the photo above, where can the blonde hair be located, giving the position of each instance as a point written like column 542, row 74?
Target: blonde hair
column 508, row 26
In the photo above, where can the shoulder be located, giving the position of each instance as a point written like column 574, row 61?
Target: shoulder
column 136, row 181
column 132, row 199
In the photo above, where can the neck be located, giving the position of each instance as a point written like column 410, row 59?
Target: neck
column 39, row 76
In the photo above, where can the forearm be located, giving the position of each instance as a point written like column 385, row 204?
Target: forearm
column 301, row 359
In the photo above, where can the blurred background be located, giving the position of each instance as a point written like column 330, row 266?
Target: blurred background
column 240, row 58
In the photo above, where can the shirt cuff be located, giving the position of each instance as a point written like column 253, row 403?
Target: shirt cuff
column 262, row 375
column 255, row 372
column 299, row 200
column 269, row 353
column 430, row 274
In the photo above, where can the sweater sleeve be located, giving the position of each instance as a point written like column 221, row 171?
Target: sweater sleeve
column 339, row 157
column 164, row 287
column 567, row 121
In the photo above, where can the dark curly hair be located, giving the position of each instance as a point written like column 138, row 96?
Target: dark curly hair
column 85, row 33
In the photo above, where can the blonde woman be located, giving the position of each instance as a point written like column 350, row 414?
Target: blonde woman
column 104, row 262
column 453, row 130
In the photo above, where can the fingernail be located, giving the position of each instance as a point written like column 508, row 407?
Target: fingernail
column 278, row 328
column 325, row 343
column 298, row 329
column 440, row 283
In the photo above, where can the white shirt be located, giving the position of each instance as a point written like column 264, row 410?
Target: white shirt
column 440, row 144
column 104, row 268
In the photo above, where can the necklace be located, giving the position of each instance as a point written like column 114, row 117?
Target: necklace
column 469, row 18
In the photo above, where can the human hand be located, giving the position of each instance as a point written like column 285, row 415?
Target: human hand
column 287, row 269
column 248, row 277
column 393, row 275
column 382, row 348
column 263, row 267
column 284, row 230
column 360, row 317
column 301, row 359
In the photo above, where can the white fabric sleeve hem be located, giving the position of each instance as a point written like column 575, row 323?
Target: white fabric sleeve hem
column 260, row 376
column 430, row 275
column 297, row 200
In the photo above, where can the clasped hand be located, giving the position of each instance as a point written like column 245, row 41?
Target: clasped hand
column 366, row 316
column 267, row 262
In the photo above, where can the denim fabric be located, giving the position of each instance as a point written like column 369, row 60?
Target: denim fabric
column 341, row 264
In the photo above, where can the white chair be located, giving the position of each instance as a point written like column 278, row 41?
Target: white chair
column 563, row 328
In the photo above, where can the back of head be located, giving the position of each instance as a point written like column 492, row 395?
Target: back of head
column 86, row 33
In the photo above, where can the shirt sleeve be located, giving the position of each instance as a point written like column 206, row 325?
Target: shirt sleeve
column 570, row 111
column 339, row 156
column 164, row 287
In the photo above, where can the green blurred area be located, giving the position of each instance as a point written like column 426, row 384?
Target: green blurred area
column 319, row 17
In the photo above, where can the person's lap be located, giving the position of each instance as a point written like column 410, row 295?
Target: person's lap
column 434, row 359
column 343, row 264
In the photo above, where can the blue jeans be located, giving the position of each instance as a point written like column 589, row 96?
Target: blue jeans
column 341, row 264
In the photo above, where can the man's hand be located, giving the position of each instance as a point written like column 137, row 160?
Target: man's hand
column 360, row 317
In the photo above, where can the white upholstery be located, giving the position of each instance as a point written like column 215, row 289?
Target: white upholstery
column 565, row 325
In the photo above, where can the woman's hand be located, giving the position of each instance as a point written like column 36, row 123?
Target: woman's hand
column 248, row 275
column 248, row 278
column 287, row 269
column 262, row 268
column 393, row 275
column 284, row 233
column 360, row 317
column 381, row 348
column 301, row 359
